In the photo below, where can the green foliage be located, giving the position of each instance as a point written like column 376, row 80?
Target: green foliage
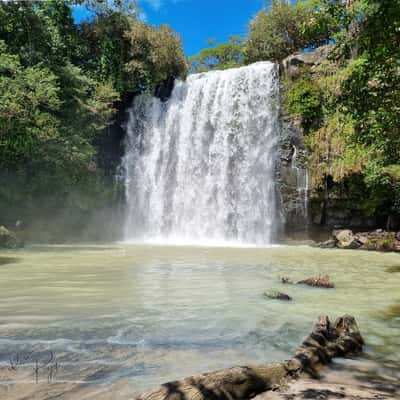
column 39, row 31
column 29, row 98
column 303, row 99
column 354, row 135
column 58, row 86
column 154, row 55
column 333, row 151
column 223, row 56
column 104, row 49
column 285, row 29
column 106, row 7
column 41, row 118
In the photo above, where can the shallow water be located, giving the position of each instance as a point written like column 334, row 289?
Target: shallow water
column 119, row 319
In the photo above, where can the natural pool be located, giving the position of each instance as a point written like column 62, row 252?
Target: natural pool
column 108, row 322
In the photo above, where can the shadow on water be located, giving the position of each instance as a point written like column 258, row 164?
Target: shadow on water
column 70, row 248
column 9, row 260
column 392, row 312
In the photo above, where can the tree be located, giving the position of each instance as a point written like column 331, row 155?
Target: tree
column 104, row 48
column 154, row 56
column 222, row 56
column 285, row 29
column 29, row 99
column 354, row 134
column 40, row 32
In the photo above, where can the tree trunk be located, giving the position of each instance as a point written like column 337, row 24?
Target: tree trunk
column 325, row 342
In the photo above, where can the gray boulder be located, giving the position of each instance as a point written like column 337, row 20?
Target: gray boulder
column 292, row 64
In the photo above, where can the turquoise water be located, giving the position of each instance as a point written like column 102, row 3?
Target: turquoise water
column 119, row 319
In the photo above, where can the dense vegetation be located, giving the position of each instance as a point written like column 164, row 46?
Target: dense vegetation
column 59, row 83
column 284, row 29
column 350, row 107
column 221, row 56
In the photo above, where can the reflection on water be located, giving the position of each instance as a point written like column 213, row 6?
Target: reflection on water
column 392, row 312
column 121, row 319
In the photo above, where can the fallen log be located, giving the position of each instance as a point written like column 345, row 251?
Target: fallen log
column 239, row 383
column 320, row 281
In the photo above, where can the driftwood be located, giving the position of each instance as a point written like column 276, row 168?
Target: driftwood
column 239, row 383
column 320, row 281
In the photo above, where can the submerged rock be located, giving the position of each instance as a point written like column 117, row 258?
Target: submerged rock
column 277, row 296
column 393, row 269
column 328, row 244
column 8, row 239
column 286, row 280
column 8, row 260
column 392, row 312
column 320, row 281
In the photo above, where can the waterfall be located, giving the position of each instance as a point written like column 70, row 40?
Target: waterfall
column 302, row 184
column 200, row 167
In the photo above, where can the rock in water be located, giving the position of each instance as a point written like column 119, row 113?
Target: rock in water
column 346, row 239
column 328, row 244
column 278, row 296
column 320, row 281
column 287, row 281
column 8, row 240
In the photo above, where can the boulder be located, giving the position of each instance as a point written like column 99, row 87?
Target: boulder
column 292, row 64
column 362, row 238
column 345, row 239
column 8, row 239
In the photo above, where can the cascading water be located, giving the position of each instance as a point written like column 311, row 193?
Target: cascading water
column 302, row 188
column 201, row 166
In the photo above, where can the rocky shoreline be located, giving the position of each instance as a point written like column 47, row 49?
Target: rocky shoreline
column 377, row 240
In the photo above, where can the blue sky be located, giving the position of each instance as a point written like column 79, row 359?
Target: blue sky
column 198, row 20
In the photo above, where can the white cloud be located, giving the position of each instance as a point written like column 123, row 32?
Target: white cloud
column 157, row 4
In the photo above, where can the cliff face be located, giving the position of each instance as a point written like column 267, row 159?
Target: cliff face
column 292, row 176
column 302, row 206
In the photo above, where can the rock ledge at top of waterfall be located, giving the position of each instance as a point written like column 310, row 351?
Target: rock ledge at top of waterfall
column 259, row 64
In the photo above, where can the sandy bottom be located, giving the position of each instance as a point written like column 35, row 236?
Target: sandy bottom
column 345, row 379
column 351, row 382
